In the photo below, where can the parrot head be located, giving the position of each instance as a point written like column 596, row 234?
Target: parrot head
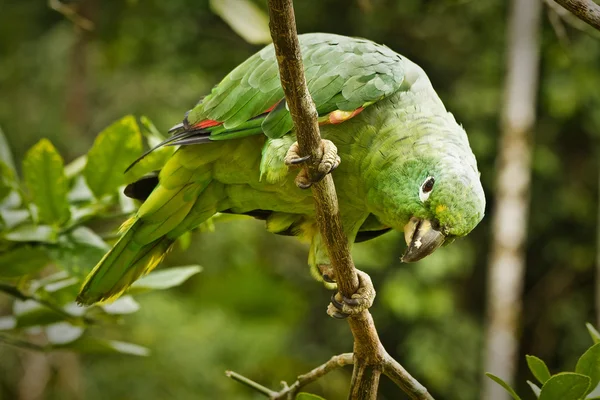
column 447, row 202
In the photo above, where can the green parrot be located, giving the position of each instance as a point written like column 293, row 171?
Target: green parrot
column 407, row 164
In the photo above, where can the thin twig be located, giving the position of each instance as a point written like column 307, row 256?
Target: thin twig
column 586, row 10
column 339, row 361
column 369, row 354
column 251, row 384
column 11, row 341
column 72, row 15
column 558, row 26
column 16, row 293
column 289, row 392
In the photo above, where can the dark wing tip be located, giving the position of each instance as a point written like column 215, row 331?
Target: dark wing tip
column 142, row 188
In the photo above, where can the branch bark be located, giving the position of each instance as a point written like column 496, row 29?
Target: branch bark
column 586, row 10
column 370, row 358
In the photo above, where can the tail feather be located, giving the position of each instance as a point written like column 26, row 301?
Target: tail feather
column 120, row 267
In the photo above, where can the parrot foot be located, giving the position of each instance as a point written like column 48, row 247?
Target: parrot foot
column 342, row 307
column 329, row 160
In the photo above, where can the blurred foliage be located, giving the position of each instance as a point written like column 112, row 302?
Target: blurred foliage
column 256, row 310
column 48, row 247
column 581, row 384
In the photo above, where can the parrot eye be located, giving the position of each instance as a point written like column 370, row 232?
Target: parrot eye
column 426, row 188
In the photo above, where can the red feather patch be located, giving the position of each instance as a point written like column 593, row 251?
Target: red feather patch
column 207, row 123
column 268, row 110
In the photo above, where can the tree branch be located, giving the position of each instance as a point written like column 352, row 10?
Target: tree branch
column 289, row 392
column 16, row 293
column 586, row 10
column 251, row 384
column 23, row 344
column 334, row 362
column 70, row 13
column 369, row 355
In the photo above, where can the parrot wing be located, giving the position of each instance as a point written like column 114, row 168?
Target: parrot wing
column 344, row 75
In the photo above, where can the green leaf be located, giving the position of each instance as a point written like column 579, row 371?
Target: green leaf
column 536, row 389
column 33, row 233
column 89, row 344
column 245, row 18
column 14, row 218
column 589, row 365
column 22, row 260
column 156, row 159
column 59, row 288
column 79, row 250
column 75, row 167
column 505, row 385
column 7, row 180
column 565, row 386
column 44, row 173
column 538, row 368
column 63, row 333
column 86, row 237
column 593, row 332
column 153, row 135
column 113, row 150
column 5, row 154
column 308, row 396
column 165, row 278
column 80, row 192
column 7, row 323
column 31, row 313
column 123, row 305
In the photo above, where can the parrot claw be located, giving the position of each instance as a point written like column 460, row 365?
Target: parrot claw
column 329, row 160
column 343, row 307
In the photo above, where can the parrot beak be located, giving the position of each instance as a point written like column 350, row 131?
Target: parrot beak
column 421, row 238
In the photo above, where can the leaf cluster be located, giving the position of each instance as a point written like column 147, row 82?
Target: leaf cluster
column 578, row 385
column 56, row 223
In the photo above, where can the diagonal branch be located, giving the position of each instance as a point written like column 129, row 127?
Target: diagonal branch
column 70, row 13
column 369, row 355
column 586, row 10
column 334, row 362
column 290, row 392
column 18, row 294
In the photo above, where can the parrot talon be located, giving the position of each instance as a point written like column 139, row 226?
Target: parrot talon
column 339, row 315
column 336, row 303
column 299, row 160
column 360, row 301
column 328, row 161
column 350, row 301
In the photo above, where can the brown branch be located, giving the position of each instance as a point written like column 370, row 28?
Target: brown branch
column 70, row 13
column 369, row 355
column 23, row 344
column 251, row 384
column 339, row 361
column 289, row 392
column 586, row 10
column 18, row 294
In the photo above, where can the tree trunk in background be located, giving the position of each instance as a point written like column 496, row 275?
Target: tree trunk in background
column 36, row 372
column 507, row 261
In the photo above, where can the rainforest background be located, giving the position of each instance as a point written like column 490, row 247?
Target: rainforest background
column 254, row 307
